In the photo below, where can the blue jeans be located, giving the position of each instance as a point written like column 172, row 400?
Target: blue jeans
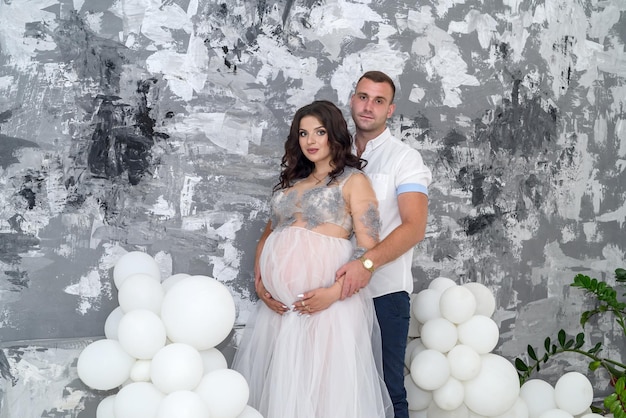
column 393, row 311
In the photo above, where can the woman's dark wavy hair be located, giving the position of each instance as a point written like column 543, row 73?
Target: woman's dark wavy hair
column 296, row 166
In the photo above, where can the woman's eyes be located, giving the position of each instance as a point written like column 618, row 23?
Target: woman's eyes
column 320, row 132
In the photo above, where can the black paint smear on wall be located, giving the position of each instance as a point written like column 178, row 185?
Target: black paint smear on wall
column 123, row 137
column 519, row 128
column 115, row 147
column 8, row 146
column 92, row 56
column 5, row 369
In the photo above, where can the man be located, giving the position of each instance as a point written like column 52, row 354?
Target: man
column 401, row 181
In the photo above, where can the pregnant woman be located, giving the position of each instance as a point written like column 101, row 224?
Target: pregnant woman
column 306, row 353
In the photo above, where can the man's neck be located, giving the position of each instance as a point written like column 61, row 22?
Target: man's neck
column 361, row 139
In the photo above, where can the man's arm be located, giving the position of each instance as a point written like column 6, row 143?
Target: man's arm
column 413, row 207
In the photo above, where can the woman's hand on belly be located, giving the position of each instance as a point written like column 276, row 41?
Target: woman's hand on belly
column 275, row 305
column 317, row 300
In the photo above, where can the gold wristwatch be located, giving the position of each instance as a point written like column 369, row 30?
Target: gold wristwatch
column 367, row 263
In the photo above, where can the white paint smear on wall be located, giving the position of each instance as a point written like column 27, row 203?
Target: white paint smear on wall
column 187, row 194
column 14, row 17
column 446, row 64
column 341, row 20
column 45, row 374
column 275, row 59
column 373, row 57
column 185, row 73
column 88, row 288
column 483, row 24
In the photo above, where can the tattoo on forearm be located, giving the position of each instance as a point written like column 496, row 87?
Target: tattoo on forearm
column 358, row 252
column 371, row 222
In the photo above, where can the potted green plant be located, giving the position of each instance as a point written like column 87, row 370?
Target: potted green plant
column 606, row 301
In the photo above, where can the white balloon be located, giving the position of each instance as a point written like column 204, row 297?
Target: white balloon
column 441, row 283
column 518, row 410
column 414, row 324
column 135, row 262
column 112, row 322
column 485, row 301
column 457, row 304
column 538, row 395
column 434, row 411
column 172, row 280
column 140, row 372
column 183, row 404
column 450, row 396
column 199, row 311
column 417, row 397
column 573, row 393
column 464, row 362
column 439, row 334
column 414, row 347
column 496, row 387
column 226, row 392
column 104, row 365
column 141, row 333
column 479, row 332
column 140, row 291
column 426, row 305
column 137, row 400
column 422, row 413
column 105, row 408
column 556, row 413
column 250, row 412
column 176, row 366
column 213, row 359
column 430, row 369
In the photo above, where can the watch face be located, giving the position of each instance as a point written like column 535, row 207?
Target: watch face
column 368, row 263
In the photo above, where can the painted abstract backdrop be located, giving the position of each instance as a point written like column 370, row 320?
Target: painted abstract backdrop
column 157, row 125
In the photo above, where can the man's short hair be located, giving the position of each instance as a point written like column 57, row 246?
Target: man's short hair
column 380, row 77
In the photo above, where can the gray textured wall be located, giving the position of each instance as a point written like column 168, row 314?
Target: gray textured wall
column 158, row 126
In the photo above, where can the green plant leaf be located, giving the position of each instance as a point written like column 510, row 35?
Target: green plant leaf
column 546, row 344
column 520, row 365
column 620, row 275
column 531, row 352
column 608, row 401
column 595, row 348
column 615, row 407
column 594, row 365
column 620, row 385
column 561, row 337
column 580, row 340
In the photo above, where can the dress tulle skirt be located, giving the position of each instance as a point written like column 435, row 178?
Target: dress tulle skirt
column 324, row 365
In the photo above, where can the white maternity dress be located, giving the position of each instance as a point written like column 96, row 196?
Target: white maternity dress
column 324, row 365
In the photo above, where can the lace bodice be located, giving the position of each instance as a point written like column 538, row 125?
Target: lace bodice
column 316, row 206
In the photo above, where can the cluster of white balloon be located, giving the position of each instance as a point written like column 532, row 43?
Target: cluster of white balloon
column 160, row 348
column 452, row 372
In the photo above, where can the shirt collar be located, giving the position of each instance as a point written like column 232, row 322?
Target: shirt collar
column 374, row 143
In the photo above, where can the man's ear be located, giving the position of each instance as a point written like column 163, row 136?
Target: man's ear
column 392, row 108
